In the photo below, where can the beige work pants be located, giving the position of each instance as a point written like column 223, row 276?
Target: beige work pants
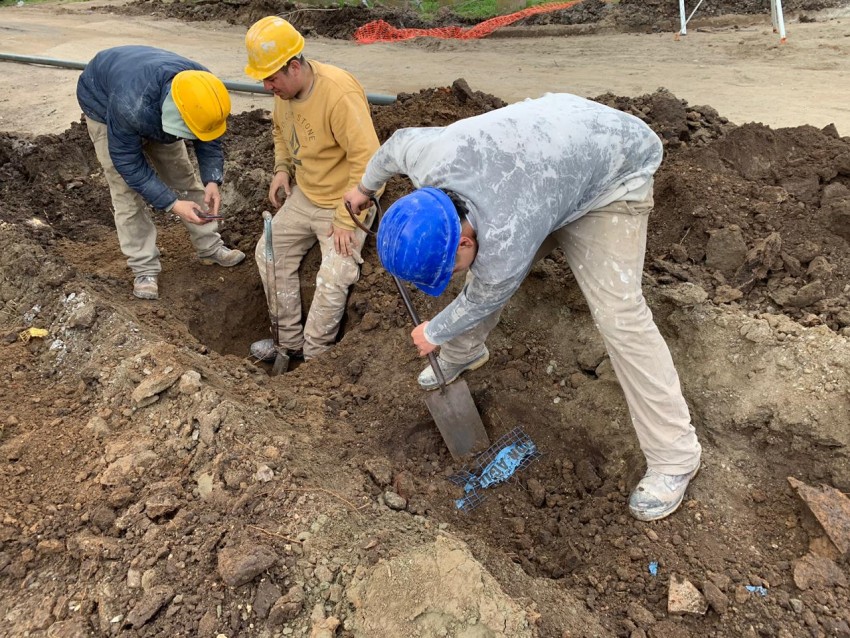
column 605, row 251
column 136, row 230
column 296, row 227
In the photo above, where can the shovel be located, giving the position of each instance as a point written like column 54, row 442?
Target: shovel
column 451, row 407
column 281, row 359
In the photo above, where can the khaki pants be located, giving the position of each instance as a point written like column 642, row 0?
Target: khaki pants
column 605, row 251
column 296, row 227
column 136, row 230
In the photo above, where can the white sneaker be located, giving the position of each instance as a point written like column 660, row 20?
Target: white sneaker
column 451, row 371
column 658, row 495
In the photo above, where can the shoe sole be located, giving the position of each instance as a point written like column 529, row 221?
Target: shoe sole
column 146, row 296
column 212, row 262
column 642, row 516
column 474, row 366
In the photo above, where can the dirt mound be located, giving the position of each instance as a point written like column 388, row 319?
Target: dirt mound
column 158, row 482
column 342, row 21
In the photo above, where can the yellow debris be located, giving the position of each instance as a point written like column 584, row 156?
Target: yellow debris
column 29, row 333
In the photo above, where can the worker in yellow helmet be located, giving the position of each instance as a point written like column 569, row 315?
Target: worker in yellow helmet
column 323, row 139
column 141, row 103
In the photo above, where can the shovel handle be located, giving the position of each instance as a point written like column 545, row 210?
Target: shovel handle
column 405, row 296
column 435, row 366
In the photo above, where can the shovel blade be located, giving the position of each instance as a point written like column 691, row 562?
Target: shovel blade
column 281, row 364
column 457, row 418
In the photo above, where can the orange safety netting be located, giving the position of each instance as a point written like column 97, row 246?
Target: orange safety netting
column 380, row 31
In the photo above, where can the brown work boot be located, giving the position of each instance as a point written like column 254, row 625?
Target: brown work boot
column 145, row 287
column 223, row 256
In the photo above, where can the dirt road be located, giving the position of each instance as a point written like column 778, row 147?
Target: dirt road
column 741, row 70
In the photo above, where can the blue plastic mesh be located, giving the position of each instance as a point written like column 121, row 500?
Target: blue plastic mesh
column 511, row 453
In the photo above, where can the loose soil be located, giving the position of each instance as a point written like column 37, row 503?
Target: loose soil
column 158, row 482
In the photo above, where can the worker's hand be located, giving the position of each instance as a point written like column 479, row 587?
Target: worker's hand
column 345, row 241
column 280, row 180
column 356, row 201
column 422, row 344
column 188, row 212
column 212, row 199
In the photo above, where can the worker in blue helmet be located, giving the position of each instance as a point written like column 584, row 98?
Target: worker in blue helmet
column 500, row 190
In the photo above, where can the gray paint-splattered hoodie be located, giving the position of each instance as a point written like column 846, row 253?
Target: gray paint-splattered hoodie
column 524, row 171
column 124, row 88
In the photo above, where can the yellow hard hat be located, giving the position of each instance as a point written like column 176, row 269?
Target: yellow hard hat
column 203, row 102
column 271, row 42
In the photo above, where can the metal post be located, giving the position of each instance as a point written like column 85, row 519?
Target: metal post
column 776, row 8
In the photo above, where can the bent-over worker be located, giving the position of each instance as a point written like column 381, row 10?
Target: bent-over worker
column 500, row 190
column 141, row 103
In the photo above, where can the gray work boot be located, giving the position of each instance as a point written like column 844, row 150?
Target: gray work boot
column 145, row 287
column 263, row 350
column 451, row 371
column 223, row 256
column 658, row 495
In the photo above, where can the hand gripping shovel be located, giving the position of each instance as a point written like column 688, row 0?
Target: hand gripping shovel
column 281, row 359
column 451, row 407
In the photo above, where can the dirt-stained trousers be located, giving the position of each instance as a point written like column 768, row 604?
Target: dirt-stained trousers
column 136, row 230
column 605, row 251
column 296, row 227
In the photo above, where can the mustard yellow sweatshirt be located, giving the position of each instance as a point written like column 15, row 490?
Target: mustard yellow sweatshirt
column 326, row 139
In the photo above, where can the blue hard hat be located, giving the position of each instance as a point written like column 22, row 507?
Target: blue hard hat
column 418, row 239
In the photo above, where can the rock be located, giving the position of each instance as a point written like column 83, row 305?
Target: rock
column 83, row 316
column 370, row 321
column 153, row 600
column 817, row 572
column 758, row 261
column 718, row 601
column 323, row 574
column 591, row 356
column 586, row 473
column 91, row 546
column 287, row 607
column 512, row 379
column 205, row 484
column 726, row 294
column 73, row 628
column 684, row 598
column 394, row 501
column 240, row 565
column 742, row 594
column 640, row 615
column 380, row 470
column 820, row 268
column 98, row 426
column 103, row 517
column 264, row 474
column 148, row 390
column 208, row 625
column 436, row 589
column 160, row 505
column 805, row 251
column 805, row 188
column 684, row 294
column 134, row 578
column 267, row 594
column 537, row 492
column 322, row 627
column 190, row 382
column 796, row 605
column 726, row 250
column 808, row 295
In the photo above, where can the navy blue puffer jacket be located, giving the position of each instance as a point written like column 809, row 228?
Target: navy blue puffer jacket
column 124, row 88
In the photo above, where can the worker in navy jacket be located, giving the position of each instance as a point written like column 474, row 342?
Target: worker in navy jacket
column 141, row 103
